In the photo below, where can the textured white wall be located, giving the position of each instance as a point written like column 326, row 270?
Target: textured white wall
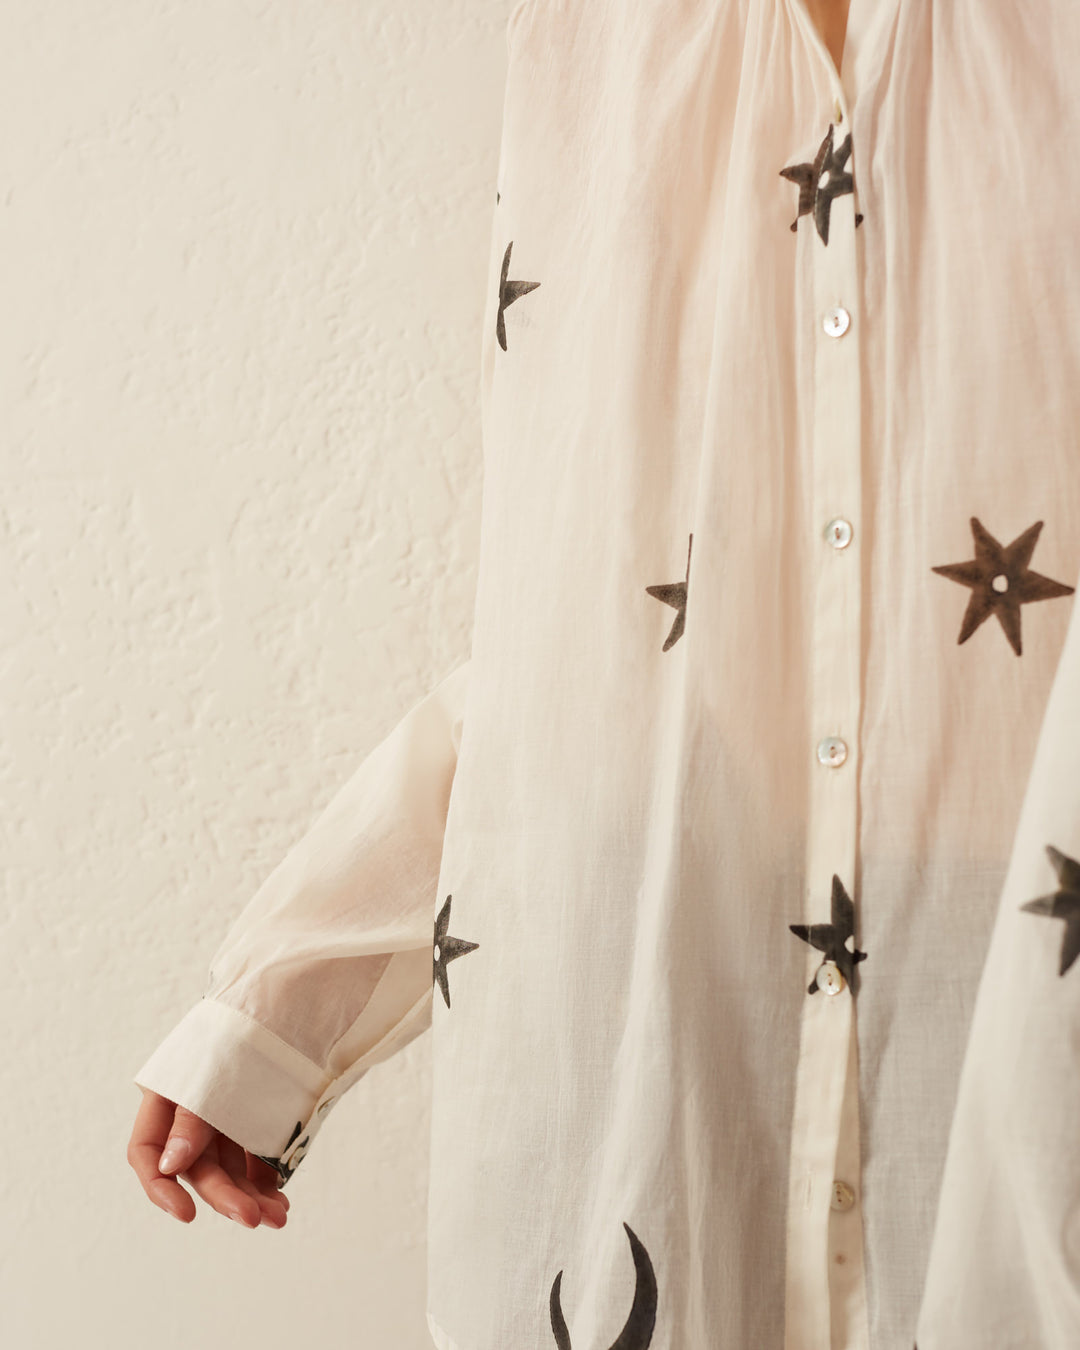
column 242, row 274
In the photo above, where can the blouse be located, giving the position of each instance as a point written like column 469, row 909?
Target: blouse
column 736, row 873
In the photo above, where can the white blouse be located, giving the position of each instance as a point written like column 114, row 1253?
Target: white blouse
column 737, row 872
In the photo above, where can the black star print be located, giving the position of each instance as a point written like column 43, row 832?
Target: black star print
column 832, row 938
column 285, row 1170
column 509, row 291
column 637, row 1331
column 1001, row 581
column 815, row 196
column 675, row 593
column 1064, row 903
column 447, row 949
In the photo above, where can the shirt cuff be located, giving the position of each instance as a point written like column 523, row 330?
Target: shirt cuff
column 241, row 1078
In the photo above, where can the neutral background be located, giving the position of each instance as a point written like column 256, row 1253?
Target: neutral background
column 242, row 276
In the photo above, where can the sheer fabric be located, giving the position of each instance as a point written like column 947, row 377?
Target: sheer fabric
column 737, row 873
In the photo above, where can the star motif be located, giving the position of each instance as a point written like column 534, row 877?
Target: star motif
column 447, row 949
column 285, row 1170
column 817, row 197
column 832, row 938
column 1064, row 903
column 675, row 593
column 509, row 291
column 1001, row 581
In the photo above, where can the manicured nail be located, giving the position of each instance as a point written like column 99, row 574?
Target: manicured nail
column 174, row 1156
column 235, row 1214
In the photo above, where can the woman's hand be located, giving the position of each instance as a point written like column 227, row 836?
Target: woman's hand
column 229, row 1179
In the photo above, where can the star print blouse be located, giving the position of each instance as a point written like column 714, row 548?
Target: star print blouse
column 736, row 874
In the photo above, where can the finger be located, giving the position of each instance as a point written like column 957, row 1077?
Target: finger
column 267, row 1178
column 153, row 1121
column 218, row 1188
column 232, row 1158
column 187, row 1138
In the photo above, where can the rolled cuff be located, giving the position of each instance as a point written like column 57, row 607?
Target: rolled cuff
column 241, row 1078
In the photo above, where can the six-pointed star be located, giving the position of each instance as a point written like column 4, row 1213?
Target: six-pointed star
column 815, row 196
column 1064, row 903
column 509, row 291
column 1001, row 581
column 675, row 593
column 832, row 938
column 447, row 949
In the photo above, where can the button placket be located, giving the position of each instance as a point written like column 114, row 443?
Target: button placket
column 847, row 1286
column 827, row 1025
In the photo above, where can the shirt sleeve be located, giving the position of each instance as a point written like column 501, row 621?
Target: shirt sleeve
column 328, row 969
column 1004, row 1260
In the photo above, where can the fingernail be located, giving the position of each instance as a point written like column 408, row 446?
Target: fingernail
column 174, row 1155
column 235, row 1214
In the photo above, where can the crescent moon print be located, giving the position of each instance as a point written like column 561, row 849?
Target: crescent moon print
column 638, row 1328
column 509, row 291
column 675, row 593
column 447, row 949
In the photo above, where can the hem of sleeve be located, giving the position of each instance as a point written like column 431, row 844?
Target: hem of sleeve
column 229, row 1070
